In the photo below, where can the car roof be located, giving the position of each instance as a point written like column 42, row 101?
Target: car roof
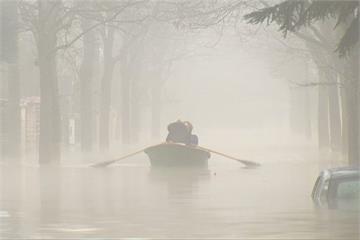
column 342, row 172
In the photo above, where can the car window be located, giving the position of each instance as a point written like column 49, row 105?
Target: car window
column 349, row 189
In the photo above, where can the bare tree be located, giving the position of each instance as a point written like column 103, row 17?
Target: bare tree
column 9, row 54
column 293, row 16
column 46, row 20
column 87, row 118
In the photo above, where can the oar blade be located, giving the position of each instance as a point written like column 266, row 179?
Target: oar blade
column 250, row 164
column 102, row 164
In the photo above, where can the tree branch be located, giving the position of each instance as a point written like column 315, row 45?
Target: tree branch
column 95, row 26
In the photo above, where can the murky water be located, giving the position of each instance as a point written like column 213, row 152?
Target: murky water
column 134, row 200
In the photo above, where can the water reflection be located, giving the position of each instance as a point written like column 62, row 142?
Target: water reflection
column 11, row 200
column 179, row 182
column 223, row 201
column 50, row 179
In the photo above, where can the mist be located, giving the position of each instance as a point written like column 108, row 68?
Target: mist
column 263, row 98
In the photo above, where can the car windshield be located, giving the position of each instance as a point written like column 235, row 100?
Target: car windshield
column 348, row 194
column 349, row 189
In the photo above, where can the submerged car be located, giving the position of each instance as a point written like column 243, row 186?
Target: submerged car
column 338, row 188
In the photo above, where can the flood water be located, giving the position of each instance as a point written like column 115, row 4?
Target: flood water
column 133, row 200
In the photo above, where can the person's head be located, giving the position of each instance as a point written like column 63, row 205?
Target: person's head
column 189, row 126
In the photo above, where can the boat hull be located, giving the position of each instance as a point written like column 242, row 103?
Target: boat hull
column 170, row 154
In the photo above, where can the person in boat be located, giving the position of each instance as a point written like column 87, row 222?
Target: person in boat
column 181, row 132
column 193, row 139
column 178, row 133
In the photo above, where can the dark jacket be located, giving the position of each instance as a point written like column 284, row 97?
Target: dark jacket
column 178, row 132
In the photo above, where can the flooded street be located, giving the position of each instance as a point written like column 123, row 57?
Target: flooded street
column 134, row 87
column 133, row 200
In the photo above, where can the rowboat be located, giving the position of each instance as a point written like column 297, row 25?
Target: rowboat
column 175, row 154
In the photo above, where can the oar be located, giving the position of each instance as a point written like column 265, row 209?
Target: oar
column 246, row 162
column 105, row 163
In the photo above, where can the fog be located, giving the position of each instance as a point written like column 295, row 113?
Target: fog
column 90, row 92
column 231, row 88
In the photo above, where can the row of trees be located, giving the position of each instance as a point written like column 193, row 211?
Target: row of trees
column 108, row 36
column 330, row 31
column 105, row 36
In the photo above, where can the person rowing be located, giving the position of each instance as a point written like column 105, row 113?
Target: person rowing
column 181, row 132
column 194, row 140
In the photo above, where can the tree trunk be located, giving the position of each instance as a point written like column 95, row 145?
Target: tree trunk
column 9, row 53
column 323, row 118
column 307, row 119
column 323, row 98
column 345, row 121
column 334, row 112
column 106, row 90
column 295, row 113
column 125, row 106
column 135, row 71
column 155, row 111
column 86, row 86
column 49, row 140
column 13, row 121
column 352, row 88
column 135, row 112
